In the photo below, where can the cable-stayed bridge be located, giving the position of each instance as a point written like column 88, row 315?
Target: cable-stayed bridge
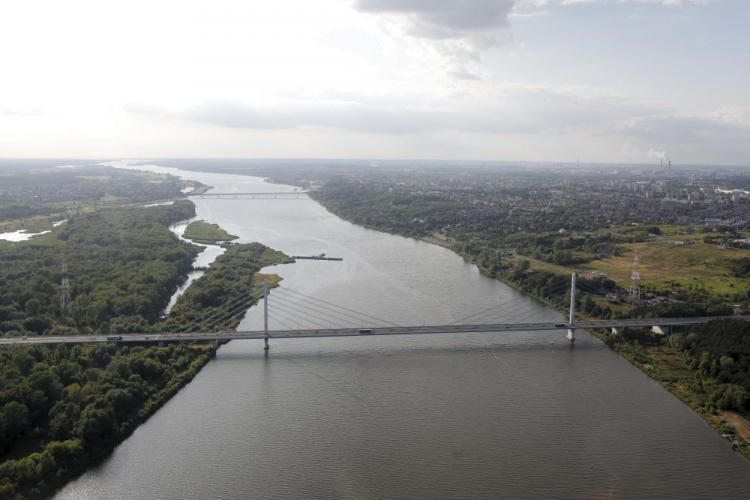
column 661, row 323
column 289, row 314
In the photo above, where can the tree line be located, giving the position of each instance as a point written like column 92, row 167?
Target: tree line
column 74, row 404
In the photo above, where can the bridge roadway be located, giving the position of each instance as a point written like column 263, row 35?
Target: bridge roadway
column 250, row 196
column 354, row 332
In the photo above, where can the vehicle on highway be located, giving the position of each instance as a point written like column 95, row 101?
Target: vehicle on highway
column 560, row 325
column 365, row 331
column 112, row 339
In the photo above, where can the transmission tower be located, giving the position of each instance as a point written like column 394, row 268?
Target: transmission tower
column 635, row 278
column 66, row 305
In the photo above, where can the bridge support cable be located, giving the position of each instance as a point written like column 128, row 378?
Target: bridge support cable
column 328, row 311
column 238, row 301
column 276, row 319
column 315, row 313
column 303, row 311
column 338, row 307
column 226, row 312
column 321, row 326
column 521, row 315
column 224, row 316
column 485, row 314
column 501, row 308
column 324, row 310
column 502, row 313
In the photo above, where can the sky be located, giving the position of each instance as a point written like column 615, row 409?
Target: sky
column 616, row 81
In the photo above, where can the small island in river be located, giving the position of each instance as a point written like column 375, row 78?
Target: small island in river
column 205, row 231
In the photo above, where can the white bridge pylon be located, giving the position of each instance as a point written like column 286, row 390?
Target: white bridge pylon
column 572, row 331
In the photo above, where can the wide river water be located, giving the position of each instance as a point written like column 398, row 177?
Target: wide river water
column 502, row 415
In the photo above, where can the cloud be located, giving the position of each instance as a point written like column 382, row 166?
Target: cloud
column 444, row 18
column 20, row 112
column 459, row 30
column 726, row 121
column 542, row 3
column 488, row 108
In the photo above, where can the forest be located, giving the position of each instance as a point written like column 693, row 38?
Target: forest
column 62, row 408
column 719, row 352
column 122, row 265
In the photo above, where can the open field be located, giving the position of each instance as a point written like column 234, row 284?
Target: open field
column 664, row 264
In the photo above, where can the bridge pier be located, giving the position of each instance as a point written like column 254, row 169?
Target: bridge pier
column 615, row 331
column 213, row 344
column 661, row 330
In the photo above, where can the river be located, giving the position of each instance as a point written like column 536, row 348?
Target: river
column 505, row 415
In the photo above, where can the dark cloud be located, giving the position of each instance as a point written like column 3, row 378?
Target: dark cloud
column 445, row 18
column 459, row 29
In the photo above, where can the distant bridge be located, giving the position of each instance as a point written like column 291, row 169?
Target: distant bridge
column 251, row 196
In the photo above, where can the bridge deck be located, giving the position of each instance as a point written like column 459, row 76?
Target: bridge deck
column 265, row 196
column 354, row 332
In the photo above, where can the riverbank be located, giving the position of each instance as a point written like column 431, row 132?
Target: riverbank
column 660, row 368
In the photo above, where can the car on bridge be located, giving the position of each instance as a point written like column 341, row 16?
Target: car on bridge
column 365, row 331
column 560, row 325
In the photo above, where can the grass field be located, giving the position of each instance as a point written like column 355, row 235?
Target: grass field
column 206, row 231
column 664, row 264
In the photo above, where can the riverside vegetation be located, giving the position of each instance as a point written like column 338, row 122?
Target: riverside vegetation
column 62, row 409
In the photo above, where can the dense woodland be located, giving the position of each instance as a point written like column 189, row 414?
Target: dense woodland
column 123, row 265
column 717, row 355
column 74, row 404
column 720, row 353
